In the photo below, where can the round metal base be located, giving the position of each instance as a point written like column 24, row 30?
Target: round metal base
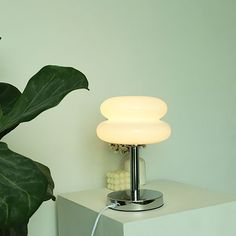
column 148, row 200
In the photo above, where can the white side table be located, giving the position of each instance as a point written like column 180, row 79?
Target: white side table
column 187, row 211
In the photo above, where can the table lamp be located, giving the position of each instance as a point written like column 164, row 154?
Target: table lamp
column 135, row 121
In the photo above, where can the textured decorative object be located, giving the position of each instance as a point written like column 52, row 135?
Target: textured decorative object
column 134, row 120
column 118, row 180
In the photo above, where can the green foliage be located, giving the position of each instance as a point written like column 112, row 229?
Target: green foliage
column 24, row 183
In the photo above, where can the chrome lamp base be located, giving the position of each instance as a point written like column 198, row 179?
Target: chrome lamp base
column 147, row 200
column 135, row 199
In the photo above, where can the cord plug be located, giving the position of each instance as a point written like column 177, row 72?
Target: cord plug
column 114, row 205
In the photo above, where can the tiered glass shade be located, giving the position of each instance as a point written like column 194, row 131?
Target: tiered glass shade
column 133, row 120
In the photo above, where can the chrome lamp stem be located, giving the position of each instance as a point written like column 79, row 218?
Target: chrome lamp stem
column 134, row 173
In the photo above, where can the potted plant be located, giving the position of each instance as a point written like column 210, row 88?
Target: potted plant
column 24, row 183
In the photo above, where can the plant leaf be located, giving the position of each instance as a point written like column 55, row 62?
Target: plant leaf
column 8, row 96
column 21, row 230
column 1, row 113
column 23, row 188
column 46, row 172
column 43, row 91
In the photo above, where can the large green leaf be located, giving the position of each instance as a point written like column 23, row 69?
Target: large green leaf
column 19, row 230
column 8, row 97
column 46, row 172
column 43, row 91
column 23, row 188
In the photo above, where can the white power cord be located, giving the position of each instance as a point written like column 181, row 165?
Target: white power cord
column 113, row 205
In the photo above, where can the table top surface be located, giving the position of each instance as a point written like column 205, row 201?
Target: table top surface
column 178, row 197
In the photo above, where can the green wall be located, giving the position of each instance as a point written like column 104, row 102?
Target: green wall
column 180, row 50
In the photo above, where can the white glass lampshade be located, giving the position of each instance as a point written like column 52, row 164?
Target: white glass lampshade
column 133, row 120
column 133, row 108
